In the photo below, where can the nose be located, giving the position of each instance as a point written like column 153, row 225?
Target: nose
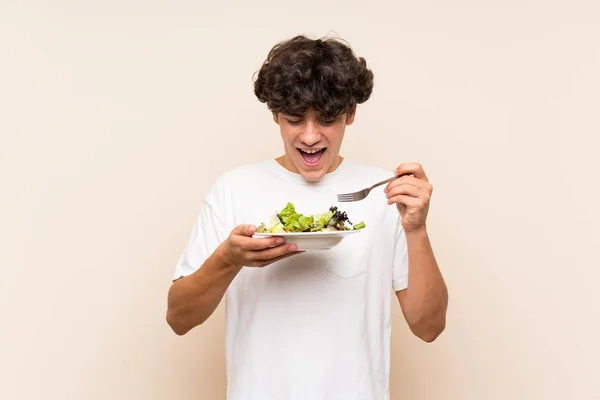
column 311, row 134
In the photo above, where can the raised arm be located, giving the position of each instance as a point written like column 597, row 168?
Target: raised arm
column 424, row 302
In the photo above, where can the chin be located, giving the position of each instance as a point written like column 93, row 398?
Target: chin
column 312, row 176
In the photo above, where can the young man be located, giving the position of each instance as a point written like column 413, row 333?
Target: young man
column 311, row 325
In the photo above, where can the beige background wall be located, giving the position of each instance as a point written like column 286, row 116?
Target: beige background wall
column 115, row 116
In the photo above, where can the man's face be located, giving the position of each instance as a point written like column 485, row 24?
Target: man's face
column 312, row 145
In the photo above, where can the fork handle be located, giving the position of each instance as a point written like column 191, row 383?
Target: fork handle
column 390, row 179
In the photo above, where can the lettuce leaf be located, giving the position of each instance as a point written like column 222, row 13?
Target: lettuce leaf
column 289, row 220
column 293, row 221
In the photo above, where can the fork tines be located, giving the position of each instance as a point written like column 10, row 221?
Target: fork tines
column 344, row 197
column 350, row 197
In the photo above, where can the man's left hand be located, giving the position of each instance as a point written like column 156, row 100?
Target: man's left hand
column 411, row 194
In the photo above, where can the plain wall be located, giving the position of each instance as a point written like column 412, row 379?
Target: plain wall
column 116, row 116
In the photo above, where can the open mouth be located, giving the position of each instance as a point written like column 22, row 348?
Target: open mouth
column 312, row 157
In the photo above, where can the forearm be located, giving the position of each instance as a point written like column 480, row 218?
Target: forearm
column 193, row 299
column 426, row 298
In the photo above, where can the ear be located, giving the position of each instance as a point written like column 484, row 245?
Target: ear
column 276, row 118
column 350, row 116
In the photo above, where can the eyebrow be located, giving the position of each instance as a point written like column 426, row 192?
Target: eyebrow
column 320, row 117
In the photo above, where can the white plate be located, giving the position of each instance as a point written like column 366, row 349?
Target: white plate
column 310, row 240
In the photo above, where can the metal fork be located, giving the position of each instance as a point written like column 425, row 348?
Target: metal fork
column 361, row 194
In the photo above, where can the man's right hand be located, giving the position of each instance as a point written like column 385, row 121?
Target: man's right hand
column 241, row 249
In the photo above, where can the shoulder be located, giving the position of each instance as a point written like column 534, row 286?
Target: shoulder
column 237, row 177
column 245, row 173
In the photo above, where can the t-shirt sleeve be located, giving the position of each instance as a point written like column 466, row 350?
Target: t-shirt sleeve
column 207, row 234
column 400, row 269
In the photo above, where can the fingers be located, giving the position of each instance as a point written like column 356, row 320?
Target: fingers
column 410, row 180
column 407, row 201
column 269, row 256
column 241, row 237
column 255, row 244
column 407, row 190
column 411, row 186
column 272, row 253
column 412, row 168
column 244, row 250
column 244, row 230
column 264, row 263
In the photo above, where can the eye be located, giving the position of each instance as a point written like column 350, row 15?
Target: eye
column 294, row 121
column 328, row 122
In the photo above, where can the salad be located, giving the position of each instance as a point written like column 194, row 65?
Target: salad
column 288, row 220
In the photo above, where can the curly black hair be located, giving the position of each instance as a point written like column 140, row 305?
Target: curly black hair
column 322, row 74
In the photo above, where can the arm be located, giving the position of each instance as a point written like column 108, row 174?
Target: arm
column 193, row 299
column 425, row 301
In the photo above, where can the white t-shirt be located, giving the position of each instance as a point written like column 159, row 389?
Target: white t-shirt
column 315, row 326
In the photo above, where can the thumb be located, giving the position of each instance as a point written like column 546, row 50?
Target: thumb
column 244, row 230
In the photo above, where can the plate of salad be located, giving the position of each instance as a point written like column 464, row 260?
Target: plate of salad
column 309, row 232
